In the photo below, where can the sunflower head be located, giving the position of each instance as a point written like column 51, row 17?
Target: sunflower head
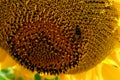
column 57, row 36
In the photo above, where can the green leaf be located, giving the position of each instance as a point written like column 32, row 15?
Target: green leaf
column 56, row 78
column 37, row 77
column 8, row 70
column 2, row 78
column 10, row 76
column 7, row 73
column 20, row 78
column 111, row 62
column 48, row 79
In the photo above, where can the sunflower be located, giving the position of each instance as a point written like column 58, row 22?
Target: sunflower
column 61, row 34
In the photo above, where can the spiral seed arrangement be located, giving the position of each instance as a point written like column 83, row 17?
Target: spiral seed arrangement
column 57, row 36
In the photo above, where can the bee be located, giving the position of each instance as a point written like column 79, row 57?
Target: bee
column 77, row 33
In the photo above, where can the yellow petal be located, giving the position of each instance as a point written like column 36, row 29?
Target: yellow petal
column 2, row 55
column 110, row 73
column 8, row 62
column 20, row 71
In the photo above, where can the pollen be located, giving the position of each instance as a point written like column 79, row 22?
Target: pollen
column 57, row 36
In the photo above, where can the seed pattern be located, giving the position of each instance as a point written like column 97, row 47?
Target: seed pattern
column 57, row 36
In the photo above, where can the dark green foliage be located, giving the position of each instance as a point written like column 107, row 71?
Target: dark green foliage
column 37, row 77
column 7, row 74
column 56, row 78
column 20, row 78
